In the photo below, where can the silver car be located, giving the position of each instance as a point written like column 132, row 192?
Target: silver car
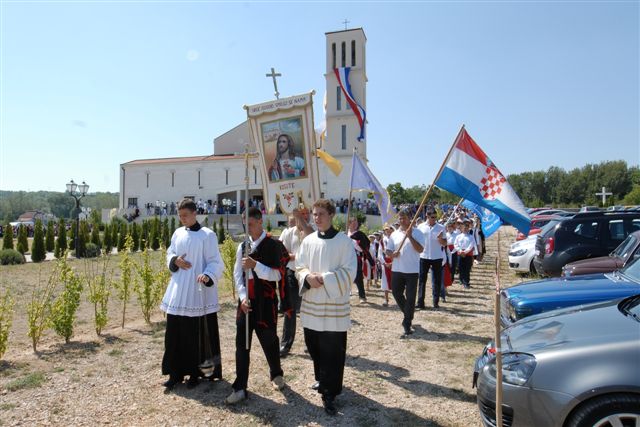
column 574, row 367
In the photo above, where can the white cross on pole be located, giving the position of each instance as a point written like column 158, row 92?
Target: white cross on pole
column 273, row 75
column 604, row 195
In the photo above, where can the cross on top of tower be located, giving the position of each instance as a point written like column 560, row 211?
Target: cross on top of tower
column 273, row 75
column 345, row 22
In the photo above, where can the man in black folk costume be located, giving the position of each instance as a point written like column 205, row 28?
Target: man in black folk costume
column 257, row 296
column 191, row 299
column 361, row 243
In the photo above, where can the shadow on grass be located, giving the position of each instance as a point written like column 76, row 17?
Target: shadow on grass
column 426, row 335
column 399, row 376
column 7, row 367
column 353, row 408
column 72, row 349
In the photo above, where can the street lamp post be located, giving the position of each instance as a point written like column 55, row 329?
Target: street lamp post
column 77, row 192
column 227, row 205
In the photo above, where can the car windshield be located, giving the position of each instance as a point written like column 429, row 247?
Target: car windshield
column 632, row 271
column 625, row 247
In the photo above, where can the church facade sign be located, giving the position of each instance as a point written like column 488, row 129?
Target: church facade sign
column 283, row 133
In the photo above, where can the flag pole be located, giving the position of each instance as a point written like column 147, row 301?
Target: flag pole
column 433, row 184
column 346, row 222
column 498, row 344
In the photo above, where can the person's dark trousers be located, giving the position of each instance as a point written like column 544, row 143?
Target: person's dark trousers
column 328, row 351
column 435, row 265
column 436, row 280
column 360, row 280
column 401, row 282
column 465, row 264
column 184, row 344
column 454, row 265
column 293, row 302
column 268, row 340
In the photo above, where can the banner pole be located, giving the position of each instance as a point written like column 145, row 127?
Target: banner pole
column 346, row 222
column 433, row 184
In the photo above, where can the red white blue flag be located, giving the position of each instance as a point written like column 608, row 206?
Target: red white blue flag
column 471, row 174
column 342, row 74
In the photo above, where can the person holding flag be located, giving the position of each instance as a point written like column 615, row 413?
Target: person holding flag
column 404, row 247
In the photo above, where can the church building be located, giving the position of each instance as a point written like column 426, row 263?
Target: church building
column 221, row 175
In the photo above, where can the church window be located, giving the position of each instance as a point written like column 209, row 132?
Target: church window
column 226, row 176
column 133, row 202
column 344, row 54
column 333, row 55
column 148, row 179
column 353, row 53
column 173, row 179
column 344, row 137
column 198, row 178
column 255, row 175
column 338, row 98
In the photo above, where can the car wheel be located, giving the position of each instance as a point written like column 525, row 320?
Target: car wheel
column 610, row 410
column 532, row 269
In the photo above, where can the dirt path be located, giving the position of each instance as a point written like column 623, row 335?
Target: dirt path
column 115, row 379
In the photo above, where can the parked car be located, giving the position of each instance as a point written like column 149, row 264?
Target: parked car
column 575, row 367
column 537, row 222
column 625, row 253
column 548, row 212
column 590, row 209
column 521, row 255
column 584, row 235
column 539, row 296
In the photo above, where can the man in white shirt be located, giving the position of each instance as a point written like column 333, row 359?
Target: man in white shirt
column 465, row 246
column 431, row 259
column 404, row 247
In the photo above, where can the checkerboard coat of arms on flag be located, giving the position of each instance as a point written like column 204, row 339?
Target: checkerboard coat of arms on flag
column 283, row 133
column 470, row 173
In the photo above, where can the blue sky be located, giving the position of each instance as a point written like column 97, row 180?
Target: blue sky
column 86, row 86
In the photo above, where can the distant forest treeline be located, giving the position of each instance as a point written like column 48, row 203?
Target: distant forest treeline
column 579, row 186
column 14, row 203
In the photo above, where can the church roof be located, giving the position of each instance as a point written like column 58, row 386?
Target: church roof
column 184, row 159
column 346, row 31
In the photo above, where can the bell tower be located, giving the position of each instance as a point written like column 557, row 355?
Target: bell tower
column 345, row 48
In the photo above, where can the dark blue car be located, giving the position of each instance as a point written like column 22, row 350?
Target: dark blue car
column 538, row 296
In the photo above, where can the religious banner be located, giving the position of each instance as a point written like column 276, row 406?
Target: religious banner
column 283, row 133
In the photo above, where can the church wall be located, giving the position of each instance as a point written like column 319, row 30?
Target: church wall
column 213, row 181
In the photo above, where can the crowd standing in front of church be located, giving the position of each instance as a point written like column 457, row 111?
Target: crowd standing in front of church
column 310, row 269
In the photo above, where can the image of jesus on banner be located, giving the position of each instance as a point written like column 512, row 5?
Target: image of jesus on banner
column 283, row 147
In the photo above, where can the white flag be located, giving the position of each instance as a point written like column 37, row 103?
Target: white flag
column 363, row 179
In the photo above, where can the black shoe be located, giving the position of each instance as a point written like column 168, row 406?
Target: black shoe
column 284, row 351
column 192, row 382
column 315, row 386
column 436, row 306
column 329, row 405
column 172, row 382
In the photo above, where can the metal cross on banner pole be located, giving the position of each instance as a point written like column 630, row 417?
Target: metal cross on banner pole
column 273, row 75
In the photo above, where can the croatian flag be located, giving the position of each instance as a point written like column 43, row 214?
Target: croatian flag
column 470, row 174
column 342, row 74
